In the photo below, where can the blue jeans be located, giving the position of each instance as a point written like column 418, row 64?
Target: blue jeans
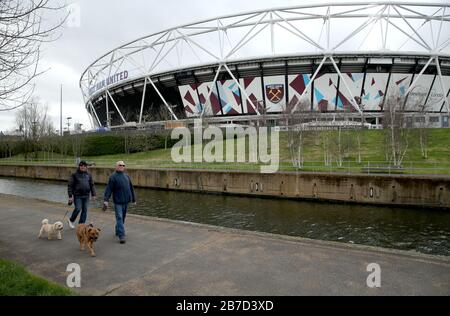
column 81, row 205
column 121, row 214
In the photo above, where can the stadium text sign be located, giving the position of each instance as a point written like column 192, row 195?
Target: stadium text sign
column 109, row 81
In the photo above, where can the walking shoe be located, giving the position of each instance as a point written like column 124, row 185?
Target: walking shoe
column 122, row 240
column 71, row 224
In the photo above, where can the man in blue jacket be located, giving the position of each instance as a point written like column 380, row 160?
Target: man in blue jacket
column 121, row 188
column 80, row 188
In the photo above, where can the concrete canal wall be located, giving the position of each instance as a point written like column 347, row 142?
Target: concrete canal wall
column 426, row 191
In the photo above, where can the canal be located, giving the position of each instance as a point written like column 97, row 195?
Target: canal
column 422, row 230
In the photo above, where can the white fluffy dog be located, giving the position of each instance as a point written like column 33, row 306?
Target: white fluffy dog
column 51, row 229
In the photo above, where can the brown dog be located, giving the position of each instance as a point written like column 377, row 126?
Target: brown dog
column 87, row 235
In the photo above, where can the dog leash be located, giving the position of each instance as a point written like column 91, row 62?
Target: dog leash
column 64, row 216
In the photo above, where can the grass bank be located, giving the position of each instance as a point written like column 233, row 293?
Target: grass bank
column 371, row 148
column 15, row 280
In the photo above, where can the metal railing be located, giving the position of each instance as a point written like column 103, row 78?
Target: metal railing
column 349, row 167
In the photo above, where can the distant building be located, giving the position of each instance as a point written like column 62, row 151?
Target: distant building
column 78, row 128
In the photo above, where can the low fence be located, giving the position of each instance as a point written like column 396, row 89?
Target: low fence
column 347, row 167
column 404, row 190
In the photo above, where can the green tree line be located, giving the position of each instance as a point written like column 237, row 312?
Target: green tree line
column 84, row 144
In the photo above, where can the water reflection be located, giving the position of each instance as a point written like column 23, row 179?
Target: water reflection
column 426, row 231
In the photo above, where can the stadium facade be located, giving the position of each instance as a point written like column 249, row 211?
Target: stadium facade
column 327, row 59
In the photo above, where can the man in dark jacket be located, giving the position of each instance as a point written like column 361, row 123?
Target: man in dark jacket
column 80, row 187
column 121, row 188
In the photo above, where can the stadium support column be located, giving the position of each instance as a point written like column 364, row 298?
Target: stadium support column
column 261, row 68
column 411, row 87
column 363, row 92
column 386, row 91
column 286, row 83
column 162, row 98
column 338, row 89
column 108, row 125
column 208, row 97
column 243, row 90
column 354, row 103
column 90, row 116
column 430, row 90
column 443, row 103
column 240, row 92
column 117, row 108
column 442, row 84
column 414, row 71
column 272, row 35
column 143, row 100
column 95, row 113
column 311, row 81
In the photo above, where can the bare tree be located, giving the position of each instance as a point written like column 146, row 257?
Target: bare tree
column 263, row 110
column 358, row 142
column 327, row 137
column 63, row 144
column 296, row 126
column 33, row 123
column 397, row 135
column 22, row 31
column 338, row 147
column 8, row 145
column 78, row 145
column 341, row 142
column 32, row 120
column 423, row 127
column 49, row 144
column 359, row 131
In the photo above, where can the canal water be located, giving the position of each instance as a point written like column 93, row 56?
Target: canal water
column 422, row 230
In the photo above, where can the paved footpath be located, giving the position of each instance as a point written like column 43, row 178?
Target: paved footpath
column 163, row 257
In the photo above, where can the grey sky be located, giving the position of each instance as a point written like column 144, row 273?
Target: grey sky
column 106, row 24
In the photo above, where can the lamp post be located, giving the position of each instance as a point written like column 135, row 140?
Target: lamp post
column 61, row 132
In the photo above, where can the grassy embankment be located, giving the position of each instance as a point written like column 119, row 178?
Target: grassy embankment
column 372, row 151
column 15, row 280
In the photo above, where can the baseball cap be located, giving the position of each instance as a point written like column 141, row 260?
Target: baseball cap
column 82, row 163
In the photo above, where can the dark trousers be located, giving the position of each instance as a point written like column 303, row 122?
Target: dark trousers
column 81, row 205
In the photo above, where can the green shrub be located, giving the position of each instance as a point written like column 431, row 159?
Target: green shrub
column 89, row 144
column 146, row 142
column 99, row 145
